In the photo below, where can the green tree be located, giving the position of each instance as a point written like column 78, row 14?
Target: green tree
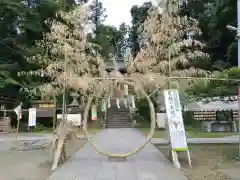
column 168, row 45
column 221, row 40
column 123, row 39
column 110, row 40
column 11, row 55
column 217, row 87
column 139, row 15
column 22, row 23
column 213, row 16
column 97, row 15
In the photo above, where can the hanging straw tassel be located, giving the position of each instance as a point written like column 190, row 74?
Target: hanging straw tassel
column 125, row 89
column 109, row 103
column 133, row 102
column 118, row 103
column 125, row 94
column 103, row 105
column 125, row 102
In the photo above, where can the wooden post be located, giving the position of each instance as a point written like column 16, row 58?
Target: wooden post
column 176, row 162
column 64, row 89
column 238, row 130
column 4, row 113
column 189, row 158
column 18, row 111
column 169, row 68
column 18, row 124
column 54, row 114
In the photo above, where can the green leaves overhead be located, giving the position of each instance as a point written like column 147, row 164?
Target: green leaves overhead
column 21, row 24
column 225, row 84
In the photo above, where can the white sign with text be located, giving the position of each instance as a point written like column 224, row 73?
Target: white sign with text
column 32, row 117
column 175, row 120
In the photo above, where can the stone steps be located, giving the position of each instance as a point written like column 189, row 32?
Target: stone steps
column 118, row 118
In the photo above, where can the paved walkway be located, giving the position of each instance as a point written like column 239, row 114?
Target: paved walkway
column 148, row 164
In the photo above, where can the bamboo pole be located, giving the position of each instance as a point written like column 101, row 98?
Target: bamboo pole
column 64, row 89
column 64, row 107
column 238, row 127
column 54, row 114
column 179, row 77
column 171, row 153
column 169, row 68
column 18, row 125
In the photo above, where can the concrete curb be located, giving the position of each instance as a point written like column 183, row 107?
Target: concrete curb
column 226, row 140
column 23, row 138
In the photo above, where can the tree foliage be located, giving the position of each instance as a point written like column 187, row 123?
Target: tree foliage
column 163, row 35
column 139, row 15
column 214, row 16
column 225, row 84
column 68, row 59
column 97, row 14
column 166, row 45
column 110, row 39
column 21, row 24
column 64, row 51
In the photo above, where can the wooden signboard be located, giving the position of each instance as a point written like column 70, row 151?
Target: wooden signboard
column 44, row 108
column 47, row 105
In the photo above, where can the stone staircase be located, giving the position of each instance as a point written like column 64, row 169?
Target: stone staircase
column 118, row 118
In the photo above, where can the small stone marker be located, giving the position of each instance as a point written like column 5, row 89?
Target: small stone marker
column 116, row 159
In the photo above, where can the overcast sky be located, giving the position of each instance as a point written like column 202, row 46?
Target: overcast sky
column 118, row 11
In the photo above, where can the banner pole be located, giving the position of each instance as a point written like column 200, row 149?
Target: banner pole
column 18, row 124
column 238, row 127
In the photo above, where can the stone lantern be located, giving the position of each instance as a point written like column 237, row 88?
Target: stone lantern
column 74, row 107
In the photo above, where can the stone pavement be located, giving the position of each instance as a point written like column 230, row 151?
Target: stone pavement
column 148, row 164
